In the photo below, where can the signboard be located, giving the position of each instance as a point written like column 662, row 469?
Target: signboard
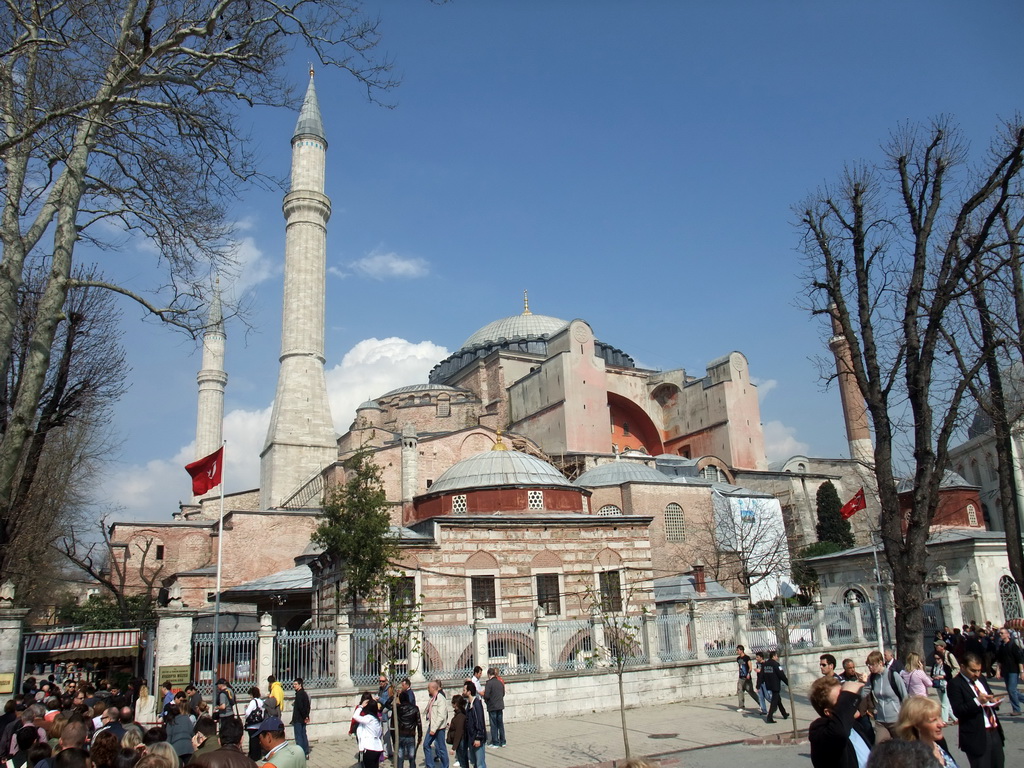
column 7, row 682
column 178, row 675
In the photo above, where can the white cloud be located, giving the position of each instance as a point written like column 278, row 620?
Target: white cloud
column 252, row 266
column 380, row 265
column 764, row 386
column 375, row 366
column 780, row 441
column 371, row 368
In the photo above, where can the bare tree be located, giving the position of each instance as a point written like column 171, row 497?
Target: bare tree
column 120, row 119
column 127, row 571
column 889, row 251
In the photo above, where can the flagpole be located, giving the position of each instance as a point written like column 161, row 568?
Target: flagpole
column 216, row 598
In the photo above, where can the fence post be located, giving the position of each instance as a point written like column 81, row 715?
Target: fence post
column 652, row 644
column 740, row 621
column 415, row 671
column 343, row 653
column 174, row 640
column 598, row 634
column 695, row 639
column 858, row 619
column 265, row 649
column 542, row 635
column 820, row 627
column 481, row 652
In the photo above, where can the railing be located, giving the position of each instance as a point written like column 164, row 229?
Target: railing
column 448, row 652
column 572, row 645
column 625, row 641
column 236, row 661
column 800, row 626
column 716, row 631
column 512, row 648
column 308, row 654
column 762, row 634
column 839, row 624
column 869, row 620
column 674, row 637
column 368, row 661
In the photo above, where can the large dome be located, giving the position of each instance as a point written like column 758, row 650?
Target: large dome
column 499, row 468
column 524, row 326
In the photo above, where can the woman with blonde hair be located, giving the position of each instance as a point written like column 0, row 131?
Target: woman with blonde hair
column 166, row 751
column 145, row 706
column 914, row 676
column 921, row 720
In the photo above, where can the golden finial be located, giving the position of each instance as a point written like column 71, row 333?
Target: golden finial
column 311, row 70
column 526, row 303
column 499, row 446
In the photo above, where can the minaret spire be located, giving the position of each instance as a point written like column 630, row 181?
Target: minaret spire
column 855, row 411
column 301, row 439
column 212, row 379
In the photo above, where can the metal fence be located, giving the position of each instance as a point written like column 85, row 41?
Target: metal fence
column 308, row 654
column 572, row 645
column 674, row 637
column 762, row 634
column 624, row 637
column 448, row 652
column 236, row 661
column 800, row 626
column 717, row 632
column 869, row 619
column 839, row 624
column 512, row 648
column 368, row 660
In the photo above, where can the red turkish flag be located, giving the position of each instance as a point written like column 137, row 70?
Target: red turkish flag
column 206, row 472
column 854, row 505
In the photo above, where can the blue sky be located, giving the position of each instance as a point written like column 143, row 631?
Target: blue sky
column 631, row 164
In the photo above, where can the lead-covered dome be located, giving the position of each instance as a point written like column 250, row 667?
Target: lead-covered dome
column 524, row 326
column 619, row 472
column 499, row 468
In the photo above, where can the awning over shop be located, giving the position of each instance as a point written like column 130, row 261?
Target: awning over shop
column 82, row 645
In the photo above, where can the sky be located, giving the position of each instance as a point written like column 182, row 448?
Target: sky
column 630, row 164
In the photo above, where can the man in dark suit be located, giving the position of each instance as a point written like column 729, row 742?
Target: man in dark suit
column 981, row 733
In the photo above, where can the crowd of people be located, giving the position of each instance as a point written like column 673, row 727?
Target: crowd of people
column 887, row 716
column 387, row 727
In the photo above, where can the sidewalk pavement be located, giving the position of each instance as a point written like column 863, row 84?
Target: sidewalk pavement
column 596, row 739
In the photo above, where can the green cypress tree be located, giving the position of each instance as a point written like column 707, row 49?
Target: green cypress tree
column 831, row 526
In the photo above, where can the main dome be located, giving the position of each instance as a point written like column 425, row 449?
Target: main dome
column 499, row 468
column 524, row 326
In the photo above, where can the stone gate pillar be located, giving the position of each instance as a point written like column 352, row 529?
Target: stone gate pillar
column 12, row 625
column 542, row 640
column 740, row 621
column 696, row 641
column 652, row 644
column 174, row 639
column 820, row 625
column 265, row 650
column 857, row 619
column 343, row 653
column 481, row 652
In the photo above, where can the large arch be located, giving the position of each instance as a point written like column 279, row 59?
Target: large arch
column 632, row 427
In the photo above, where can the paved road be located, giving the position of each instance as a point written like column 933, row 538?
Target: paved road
column 706, row 733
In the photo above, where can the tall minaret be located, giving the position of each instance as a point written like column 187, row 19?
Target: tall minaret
column 212, row 379
column 301, row 439
column 855, row 412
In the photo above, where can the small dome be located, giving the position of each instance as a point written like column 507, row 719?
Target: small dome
column 411, row 388
column 499, row 468
column 619, row 472
column 524, row 326
column 369, row 405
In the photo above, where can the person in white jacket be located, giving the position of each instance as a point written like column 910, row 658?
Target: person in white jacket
column 369, row 732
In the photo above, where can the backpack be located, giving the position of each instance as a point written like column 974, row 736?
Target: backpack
column 271, row 707
column 892, row 682
column 255, row 717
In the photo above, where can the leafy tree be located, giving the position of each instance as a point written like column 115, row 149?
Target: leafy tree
column 803, row 574
column 355, row 529
column 395, row 613
column 104, row 612
column 121, row 119
column 831, row 525
column 891, row 250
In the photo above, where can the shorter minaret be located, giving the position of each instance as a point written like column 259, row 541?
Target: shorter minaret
column 855, row 412
column 212, row 380
column 301, row 440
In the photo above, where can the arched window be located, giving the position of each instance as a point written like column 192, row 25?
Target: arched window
column 972, row 515
column 1009, row 596
column 444, row 406
column 851, row 593
column 713, row 473
column 609, row 510
column 675, row 527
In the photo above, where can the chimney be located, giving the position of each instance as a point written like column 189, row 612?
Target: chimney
column 698, row 579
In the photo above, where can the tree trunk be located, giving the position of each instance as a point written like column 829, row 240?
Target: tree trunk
column 622, row 712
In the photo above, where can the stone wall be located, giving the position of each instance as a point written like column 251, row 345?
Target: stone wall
column 576, row 693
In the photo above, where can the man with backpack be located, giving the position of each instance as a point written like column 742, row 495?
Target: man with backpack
column 772, row 676
column 410, row 731
column 889, row 690
column 225, row 701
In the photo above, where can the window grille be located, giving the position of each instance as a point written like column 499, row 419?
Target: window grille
column 675, row 527
column 609, row 510
column 972, row 515
column 548, row 596
column 535, row 500
column 459, row 506
column 611, row 591
column 483, row 596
